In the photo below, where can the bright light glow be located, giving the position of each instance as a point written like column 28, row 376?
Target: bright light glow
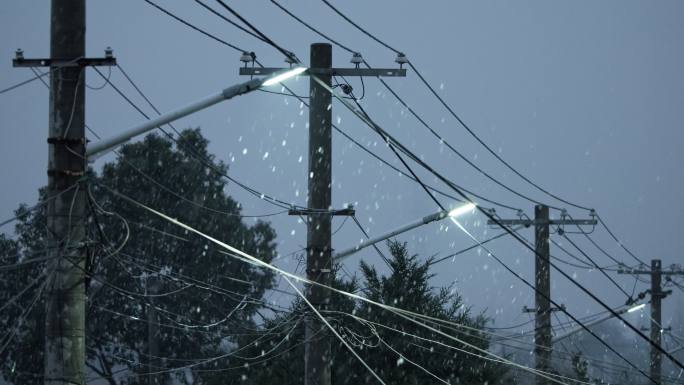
column 636, row 308
column 458, row 211
column 284, row 76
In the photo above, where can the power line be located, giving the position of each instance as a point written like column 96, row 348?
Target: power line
column 463, row 123
column 619, row 242
column 27, row 81
column 26, row 211
column 598, row 267
column 565, row 274
column 406, row 151
column 40, row 76
column 451, row 111
column 519, row 239
column 337, row 128
column 203, row 160
column 421, row 120
column 236, row 25
column 190, row 25
column 289, row 55
column 365, row 234
column 107, row 80
column 257, row 262
column 452, row 255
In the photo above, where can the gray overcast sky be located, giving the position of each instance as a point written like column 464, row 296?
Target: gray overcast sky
column 584, row 97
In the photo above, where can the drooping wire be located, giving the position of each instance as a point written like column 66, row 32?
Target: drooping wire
column 453, row 113
column 266, row 39
column 500, row 204
column 592, row 295
column 234, row 24
column 307, row 25
column 629, row 298
column 233, row 252
column 571, row 279
column 365, row 234
column 418, row 117
column 374, row 126
column 190, row 25
column 272, row 200
column 619, row 242
column 476, row 245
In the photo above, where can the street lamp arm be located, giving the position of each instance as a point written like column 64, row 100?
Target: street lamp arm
column 105, row 145
column 410, row 226
column 598, row 321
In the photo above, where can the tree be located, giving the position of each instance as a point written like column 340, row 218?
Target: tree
column 147, row 278
column 388, row 343
column 580, row 367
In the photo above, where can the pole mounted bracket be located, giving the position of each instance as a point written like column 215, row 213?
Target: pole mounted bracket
column 526, row 309
column 343, row 212
column 108, row 60
column 60, row 140
column 54, row 172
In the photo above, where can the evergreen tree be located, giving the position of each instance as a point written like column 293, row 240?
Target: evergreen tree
column 141, row 267
column 387, row 342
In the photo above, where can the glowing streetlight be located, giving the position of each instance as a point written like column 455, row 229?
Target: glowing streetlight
column 598, row 321
column 464, row 209
column 283, row 76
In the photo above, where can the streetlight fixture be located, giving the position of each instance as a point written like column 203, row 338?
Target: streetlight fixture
column 101, row 147
column 456, row 212
column 598, row 321
column 283, row 76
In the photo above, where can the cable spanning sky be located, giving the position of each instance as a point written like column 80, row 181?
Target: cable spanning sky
column 585, row 100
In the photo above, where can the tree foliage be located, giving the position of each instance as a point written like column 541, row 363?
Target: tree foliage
column 142, row 268
column 397, row 349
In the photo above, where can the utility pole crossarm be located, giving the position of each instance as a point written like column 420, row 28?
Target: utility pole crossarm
column 349, row 212
column 649, row 272
column 82, row 62
column 533, row 222
column 375, row 72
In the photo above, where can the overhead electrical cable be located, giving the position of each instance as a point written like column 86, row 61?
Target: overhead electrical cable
column 206, row 162
column 334, row 126
column 629, row 297
column 466, row 126
column 451, row 111
column 414, row 114
column 257, row 262
column 364, row 117
column 419, row 118
column 565, row 274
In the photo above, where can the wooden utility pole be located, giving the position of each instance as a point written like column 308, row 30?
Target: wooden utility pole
column 542, row 281
column 657, row 294
column 656, row 316
column 319, row 264
column 65, row 282
column 65, row 312
column 318, row 354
